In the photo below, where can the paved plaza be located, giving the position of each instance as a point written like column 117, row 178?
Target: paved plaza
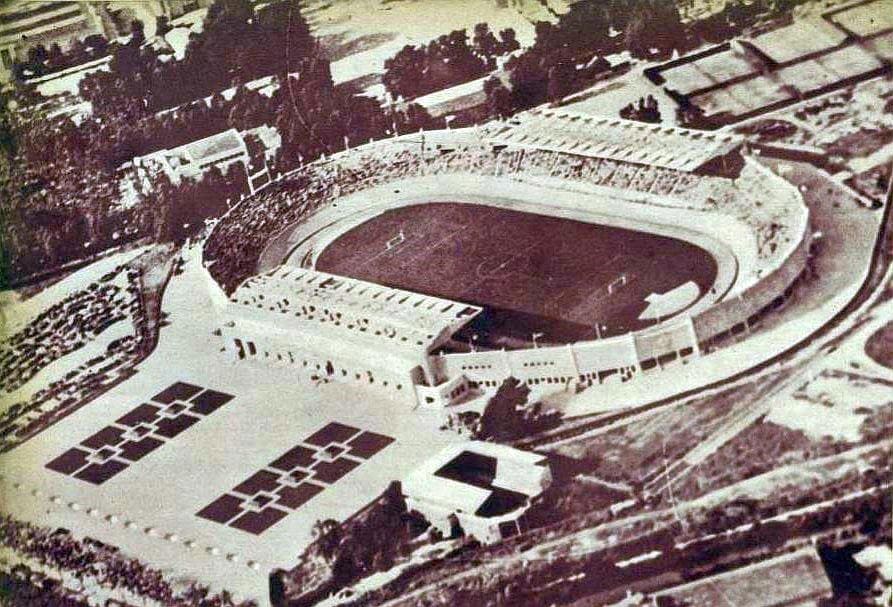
column 140, row 467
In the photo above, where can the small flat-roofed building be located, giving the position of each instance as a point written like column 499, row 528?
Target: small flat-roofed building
column 221, row 150
column 484, row 487
column 192, row 159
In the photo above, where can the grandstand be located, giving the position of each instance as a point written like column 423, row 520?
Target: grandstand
column 615, row 139
column 278, row 314
column 613, row 172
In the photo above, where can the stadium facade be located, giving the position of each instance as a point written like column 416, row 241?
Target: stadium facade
column 704, row 188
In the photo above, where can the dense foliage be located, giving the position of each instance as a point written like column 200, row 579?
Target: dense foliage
column 446, row 61
column 58, row 180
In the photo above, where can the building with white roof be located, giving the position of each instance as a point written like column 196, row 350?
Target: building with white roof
column 221, row 150
column 344, row 329
column 484, row 487
column 628, row 141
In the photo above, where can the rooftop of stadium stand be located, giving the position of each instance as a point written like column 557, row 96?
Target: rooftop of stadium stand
column 308, row 293
column 615, row 139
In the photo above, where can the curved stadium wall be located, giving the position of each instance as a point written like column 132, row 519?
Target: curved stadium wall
column 234, row 246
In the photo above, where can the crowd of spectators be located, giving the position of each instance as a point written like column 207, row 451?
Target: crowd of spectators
column 108, row 567
column 773, row 214
column 237, row 241
column 23, row 587
column 66, row 326
column 63, row 328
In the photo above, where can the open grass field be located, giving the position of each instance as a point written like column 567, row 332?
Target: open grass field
column 531, row 273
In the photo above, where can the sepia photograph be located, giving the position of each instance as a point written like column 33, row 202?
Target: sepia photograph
column 446, row 303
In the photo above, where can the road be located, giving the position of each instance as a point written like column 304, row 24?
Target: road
column 564, row 547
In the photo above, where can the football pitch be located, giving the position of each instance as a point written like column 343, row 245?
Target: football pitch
column 565, row 279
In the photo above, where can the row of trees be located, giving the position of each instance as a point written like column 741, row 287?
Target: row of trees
column 313, row 115
column 42, row 60
column 58, row 180
column 236, row 45
column 342, row 553
column 446, row 61
column 507, row 415
column 568, row 55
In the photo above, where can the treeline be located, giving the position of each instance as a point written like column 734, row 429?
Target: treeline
column 236, row 46
column 568, row 56
column 446, row 61
column 56, row 197
column 341, row 554
column 58, row 180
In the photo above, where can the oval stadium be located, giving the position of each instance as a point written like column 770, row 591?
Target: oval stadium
column 560, row 249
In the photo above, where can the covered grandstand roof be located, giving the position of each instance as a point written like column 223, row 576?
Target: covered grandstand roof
column 614, row 138
column 365, row 308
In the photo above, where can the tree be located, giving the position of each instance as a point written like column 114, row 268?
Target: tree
column 137, row 32
column 529, row 80
column 162, row 25
column 561, row 80
column 484, row 42
column 645, row 110
column 327, row 534
column 445, row 61
column 508, row 41
column 96, row 44
column 503, row 413
column 55, row 57
column 499, row 98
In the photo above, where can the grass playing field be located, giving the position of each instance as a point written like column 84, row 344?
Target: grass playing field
column 532, row 273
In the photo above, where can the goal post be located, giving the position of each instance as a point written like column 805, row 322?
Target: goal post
column 617, row 283
column 396, row 240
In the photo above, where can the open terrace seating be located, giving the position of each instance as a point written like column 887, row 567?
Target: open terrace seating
column 60, row 330
column 65, row 327
column 751, row 197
